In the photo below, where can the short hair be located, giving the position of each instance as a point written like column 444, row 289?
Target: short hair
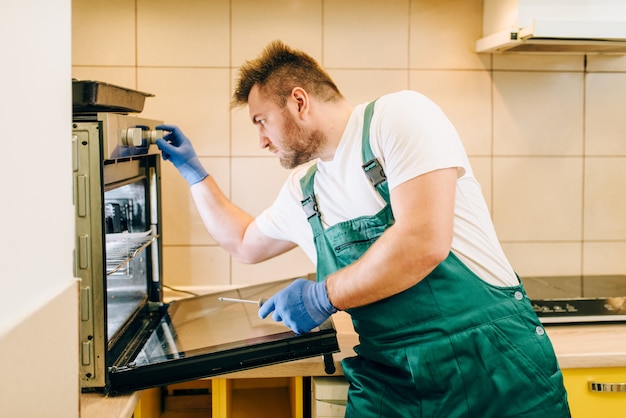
column 278, row 70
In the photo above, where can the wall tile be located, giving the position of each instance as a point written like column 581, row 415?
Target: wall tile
column 537, row 199
column 182, row 224
column 444, row 33
column 544, row 258
column 606, row 63
column 196, row 266
column 541, row 62
column 292, row 264
column 103, row 32
column 120, row 76
column 196, row 99
column 363, row 86
column 605, row 111
column 245, row 135
column 256, row 23
column 256, row 182
column 604, row 258
column 193, row 35
column 465, row 97
column 605, row 198
column 537, row 113
column 368, row 34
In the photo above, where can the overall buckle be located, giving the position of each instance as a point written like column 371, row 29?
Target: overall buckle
column 374, row 172
column 309, row 204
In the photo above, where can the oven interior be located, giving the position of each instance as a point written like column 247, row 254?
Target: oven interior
column 127, row 237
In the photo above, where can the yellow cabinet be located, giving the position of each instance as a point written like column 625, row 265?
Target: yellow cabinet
column 149, row 404
column 597, row 392
column 225, row 398
column 271, row 397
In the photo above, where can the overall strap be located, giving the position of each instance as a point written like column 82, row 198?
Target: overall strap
column 371, row 166
column 309, row 204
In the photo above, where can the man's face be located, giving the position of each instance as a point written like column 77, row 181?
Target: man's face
column 282, row 132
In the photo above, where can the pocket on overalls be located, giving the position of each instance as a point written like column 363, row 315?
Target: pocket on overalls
column 348, row 252
column 507, row 372
column 350, row 241
column 438, row 379
column 481, row 372
column 379, row 391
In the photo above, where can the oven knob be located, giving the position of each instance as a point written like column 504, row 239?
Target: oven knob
column 152, row 135
column 131, row 136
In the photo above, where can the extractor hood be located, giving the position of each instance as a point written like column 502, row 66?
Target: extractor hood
column 554, row 26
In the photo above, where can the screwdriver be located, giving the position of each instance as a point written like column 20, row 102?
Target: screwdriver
column 259, row 302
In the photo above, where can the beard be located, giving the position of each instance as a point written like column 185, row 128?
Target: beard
column 300, row 145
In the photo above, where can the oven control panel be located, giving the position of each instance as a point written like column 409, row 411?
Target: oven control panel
column 139, row 136
column 122, row 135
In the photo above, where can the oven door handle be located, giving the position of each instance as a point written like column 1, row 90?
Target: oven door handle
column 607, row 387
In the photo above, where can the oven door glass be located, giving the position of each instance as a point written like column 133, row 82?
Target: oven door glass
column 203, row 336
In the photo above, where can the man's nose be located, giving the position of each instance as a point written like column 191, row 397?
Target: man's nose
column 264, row 141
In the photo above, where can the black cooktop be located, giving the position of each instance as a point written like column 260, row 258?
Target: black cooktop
column 578, row 299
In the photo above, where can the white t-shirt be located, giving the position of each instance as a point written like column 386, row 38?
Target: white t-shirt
column 410, row 136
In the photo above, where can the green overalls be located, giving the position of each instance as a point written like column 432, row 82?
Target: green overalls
column 450, row 346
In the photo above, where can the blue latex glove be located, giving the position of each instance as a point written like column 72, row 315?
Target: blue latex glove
column 302, row 306
column 177, row 148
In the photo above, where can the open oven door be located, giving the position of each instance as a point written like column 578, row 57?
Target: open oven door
column 202, row 337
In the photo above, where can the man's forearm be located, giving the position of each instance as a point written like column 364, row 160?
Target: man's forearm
column 226, row 222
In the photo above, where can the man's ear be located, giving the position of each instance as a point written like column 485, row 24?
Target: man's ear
column 301, row 98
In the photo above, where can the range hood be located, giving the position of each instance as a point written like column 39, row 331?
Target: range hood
column 553, row 26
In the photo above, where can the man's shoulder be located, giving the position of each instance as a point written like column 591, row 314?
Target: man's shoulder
column 402, row 97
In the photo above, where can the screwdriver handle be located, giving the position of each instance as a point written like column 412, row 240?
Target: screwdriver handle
column 259, row 303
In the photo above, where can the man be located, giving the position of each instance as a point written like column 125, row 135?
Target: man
column 395, row 220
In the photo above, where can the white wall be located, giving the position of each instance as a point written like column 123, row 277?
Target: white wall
column 38, row 303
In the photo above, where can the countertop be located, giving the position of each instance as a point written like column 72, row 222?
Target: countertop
column 576, row 346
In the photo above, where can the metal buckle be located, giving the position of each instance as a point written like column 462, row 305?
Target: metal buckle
column 374, row 172
column 310, row 206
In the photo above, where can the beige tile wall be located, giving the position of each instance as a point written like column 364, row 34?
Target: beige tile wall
column 546, row 133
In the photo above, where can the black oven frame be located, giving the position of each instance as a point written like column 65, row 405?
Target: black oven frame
column 102, row 162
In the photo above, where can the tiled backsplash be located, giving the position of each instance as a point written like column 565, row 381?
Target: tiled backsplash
column 546, row 134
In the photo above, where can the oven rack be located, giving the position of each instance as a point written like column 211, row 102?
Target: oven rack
column 122, row 248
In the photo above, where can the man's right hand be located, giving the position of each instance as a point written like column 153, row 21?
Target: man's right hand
column 177, row 148
column 302, row 306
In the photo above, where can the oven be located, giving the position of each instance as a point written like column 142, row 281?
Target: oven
column 129, row 338
column 578, row 299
